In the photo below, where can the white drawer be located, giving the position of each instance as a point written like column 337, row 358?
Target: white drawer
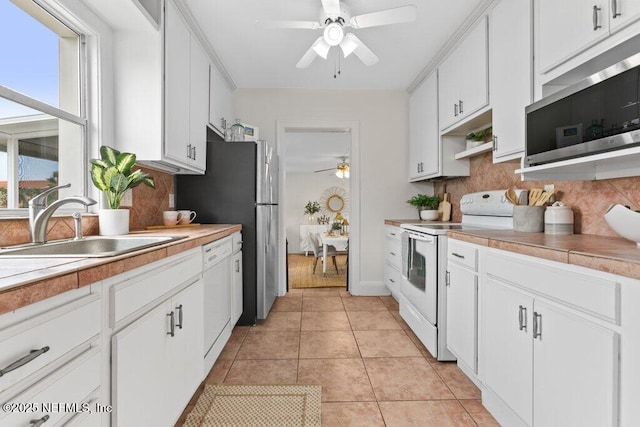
column 392, row 232
column 462, row 253
column 69, row 385
column 589, row 291
column 393, row 252
column 39, row 341
column 135, row 292
column 392, row 279
column 215, row 252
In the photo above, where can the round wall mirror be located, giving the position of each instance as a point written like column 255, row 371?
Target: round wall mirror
column 335, row 203
column 334, row 200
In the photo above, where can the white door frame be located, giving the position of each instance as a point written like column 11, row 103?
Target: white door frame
column 353, row 127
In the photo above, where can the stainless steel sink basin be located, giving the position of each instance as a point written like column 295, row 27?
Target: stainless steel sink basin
column 92, row 247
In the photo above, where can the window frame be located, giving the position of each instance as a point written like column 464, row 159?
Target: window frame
column 66, row 18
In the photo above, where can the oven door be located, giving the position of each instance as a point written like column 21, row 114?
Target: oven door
column 420, row 273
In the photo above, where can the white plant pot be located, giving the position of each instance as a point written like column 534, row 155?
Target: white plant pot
column 429, row 215
column 113, row 222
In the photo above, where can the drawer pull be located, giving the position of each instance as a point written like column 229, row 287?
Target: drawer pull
column 179, row 310
column 208, row 250
column 392, row 281
column 172, row 324
column 39, row 422
column 24, row 360
column 211, row 258
column 393, row 253
column 457, row 255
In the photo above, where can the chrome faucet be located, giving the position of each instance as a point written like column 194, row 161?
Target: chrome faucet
column 40, row 213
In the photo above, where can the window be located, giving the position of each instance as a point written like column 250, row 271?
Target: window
column 42, row 120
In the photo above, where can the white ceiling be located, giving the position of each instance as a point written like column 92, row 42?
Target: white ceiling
column 307, row 152
column 256, row 57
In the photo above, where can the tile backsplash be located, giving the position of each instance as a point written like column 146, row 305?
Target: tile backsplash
column 147, row 208
column 588, row 199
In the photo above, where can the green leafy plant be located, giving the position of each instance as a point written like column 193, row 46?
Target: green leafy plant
column 336, row 226
column 422, row 202
column 311, row 207
column 113, row 174
column 482, row 135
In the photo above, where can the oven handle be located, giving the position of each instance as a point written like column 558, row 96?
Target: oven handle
column 421, row 237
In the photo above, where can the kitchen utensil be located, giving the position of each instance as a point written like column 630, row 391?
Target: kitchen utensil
column 544, row 198
column 534, row 195
column 511, row 196
column 445, row 208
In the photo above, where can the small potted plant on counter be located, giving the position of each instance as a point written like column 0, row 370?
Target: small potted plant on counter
column 113, row 175
column 310, row 209
column 426, row 205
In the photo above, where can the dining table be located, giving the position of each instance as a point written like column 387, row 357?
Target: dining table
column 339, row 241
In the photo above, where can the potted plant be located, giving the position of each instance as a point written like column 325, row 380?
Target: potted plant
column 426, row 205
column 475, row 139
column 113, row 175
column 310, row 209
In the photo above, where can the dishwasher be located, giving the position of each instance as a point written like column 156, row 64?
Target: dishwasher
column 217, row 297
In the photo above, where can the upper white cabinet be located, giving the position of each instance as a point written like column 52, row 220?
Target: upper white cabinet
column 431, row 156
column 220, row 102
column 464, row 78
column 567, row 28
column 161, row 94
column 424, row 138
column 186, row 88
column 511, row 61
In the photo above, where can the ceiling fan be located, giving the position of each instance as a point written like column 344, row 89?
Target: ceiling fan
column 335, row 16
column 342, row 169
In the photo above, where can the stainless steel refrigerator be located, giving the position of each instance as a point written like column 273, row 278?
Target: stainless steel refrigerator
column 241, row 187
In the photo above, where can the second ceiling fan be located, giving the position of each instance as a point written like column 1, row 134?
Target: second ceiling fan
column 335, row 16
column 342, row 169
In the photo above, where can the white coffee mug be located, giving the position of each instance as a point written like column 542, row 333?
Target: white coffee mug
column 170, row 217
column 186, row 217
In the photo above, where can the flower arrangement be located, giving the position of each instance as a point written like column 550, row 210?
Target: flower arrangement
column 311, row 208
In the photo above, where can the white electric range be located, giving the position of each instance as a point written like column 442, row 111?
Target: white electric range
column 424, row 263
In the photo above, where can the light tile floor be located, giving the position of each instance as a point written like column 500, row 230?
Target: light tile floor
column 373, row 370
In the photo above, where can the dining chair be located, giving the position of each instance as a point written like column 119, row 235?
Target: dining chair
column 317, row 252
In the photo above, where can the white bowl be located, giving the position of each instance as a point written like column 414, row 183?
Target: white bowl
column 624, row 221
column 428, row 215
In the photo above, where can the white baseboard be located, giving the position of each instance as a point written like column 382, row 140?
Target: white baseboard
column 376, row 289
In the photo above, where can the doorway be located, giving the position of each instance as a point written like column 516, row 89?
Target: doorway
column 314, row 157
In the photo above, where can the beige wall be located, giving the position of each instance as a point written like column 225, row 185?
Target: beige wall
column 383, row 118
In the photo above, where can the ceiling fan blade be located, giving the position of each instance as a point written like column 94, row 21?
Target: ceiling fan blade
column 307, row 58
column 298, row 25
column 396, row 15
column 331, row 8
column 324, row 170
column 356, row 46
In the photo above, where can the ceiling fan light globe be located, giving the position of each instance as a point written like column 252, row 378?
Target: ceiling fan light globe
column 348, row 45
column 333, row 34
column 321, row 47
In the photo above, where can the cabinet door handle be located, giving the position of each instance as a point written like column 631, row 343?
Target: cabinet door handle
column 596, row 9
column 392, row 281
column 614, row 9
column 189, row 151
column 448, row 278
column 223, row 122
column 393, row 253
column 237, row 266
column 537, row 325
column 24, row 360
column 172, row 324
column 457, row 255
column 522, row 318
column 179, row 311
column 194, row 152
column 39, row 422
column 460, row 104
column 495, row 142
column 455, row 110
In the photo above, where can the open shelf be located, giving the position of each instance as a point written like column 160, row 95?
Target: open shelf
column 475, row 151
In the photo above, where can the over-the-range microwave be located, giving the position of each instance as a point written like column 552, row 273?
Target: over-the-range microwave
column 598, row 114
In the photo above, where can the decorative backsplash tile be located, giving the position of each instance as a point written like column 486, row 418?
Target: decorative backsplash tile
column 148, row 205
column 588, row 199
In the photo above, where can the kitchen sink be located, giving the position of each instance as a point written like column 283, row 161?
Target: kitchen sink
column 91, row 247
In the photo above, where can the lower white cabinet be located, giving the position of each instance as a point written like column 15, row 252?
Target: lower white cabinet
column 550, row 363
column 236, row 288
column 393, row 259
column 462, row 314
column 157, row 361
